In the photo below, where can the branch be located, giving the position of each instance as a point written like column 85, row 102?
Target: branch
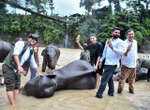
column 30, row 11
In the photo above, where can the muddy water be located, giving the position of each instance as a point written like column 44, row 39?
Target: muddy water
column 80, row 99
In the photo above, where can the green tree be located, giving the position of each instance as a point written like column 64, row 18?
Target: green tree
column 87, row 4
column 90, row 25
column 38, row 5
column 2, row 8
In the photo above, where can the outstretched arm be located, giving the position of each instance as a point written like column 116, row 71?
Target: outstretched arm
column 120, row 49
column 79, row 45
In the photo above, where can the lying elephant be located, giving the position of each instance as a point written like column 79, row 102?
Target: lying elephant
column 50, row 57
column 77, row 75
column 5, row 47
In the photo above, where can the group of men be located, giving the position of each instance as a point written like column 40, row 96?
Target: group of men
column 106, row 60
column 103, row 60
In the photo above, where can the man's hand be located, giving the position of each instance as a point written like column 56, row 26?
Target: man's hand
column 109, row 44
column 40, row 75
column 128, row 49
column 21, row 70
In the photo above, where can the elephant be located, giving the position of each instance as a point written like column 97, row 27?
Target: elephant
column 79, row 74
column 50, row 57
column 142, row 72
column 144, row 63
column 5, row 48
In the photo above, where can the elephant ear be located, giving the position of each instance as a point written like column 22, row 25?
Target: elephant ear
column 51, row 75
column 43, row 52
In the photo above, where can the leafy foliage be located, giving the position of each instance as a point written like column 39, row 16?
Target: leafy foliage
column 15, row 25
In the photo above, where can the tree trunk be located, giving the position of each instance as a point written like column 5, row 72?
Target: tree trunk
column 29, row 10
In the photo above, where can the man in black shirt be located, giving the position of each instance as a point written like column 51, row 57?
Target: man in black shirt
column 96, row 49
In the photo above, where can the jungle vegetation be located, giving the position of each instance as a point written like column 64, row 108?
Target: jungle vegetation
column 100, row 21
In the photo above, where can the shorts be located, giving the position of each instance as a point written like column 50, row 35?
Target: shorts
column 11, row 78
column 100, row 71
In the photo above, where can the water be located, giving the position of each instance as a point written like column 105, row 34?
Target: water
column 81, row 99
column 84, row 100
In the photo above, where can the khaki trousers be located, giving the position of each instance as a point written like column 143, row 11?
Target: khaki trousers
column 129, row 73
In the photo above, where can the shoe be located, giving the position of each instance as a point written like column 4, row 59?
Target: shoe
column 119, row 91
column 148, row 80
column 131, row 91
column 99, row 96
column 111, row 94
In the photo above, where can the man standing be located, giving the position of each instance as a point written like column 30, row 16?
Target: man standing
column 129, row 62
column 14, row 63
column 113, row 50
column 33, row 70
column 95, row 48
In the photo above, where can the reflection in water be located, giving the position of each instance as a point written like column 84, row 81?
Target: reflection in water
column 81, row 99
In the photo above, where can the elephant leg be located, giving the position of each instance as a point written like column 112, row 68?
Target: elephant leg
column 44, row 64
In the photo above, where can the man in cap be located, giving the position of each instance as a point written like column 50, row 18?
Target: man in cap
column 14, row 65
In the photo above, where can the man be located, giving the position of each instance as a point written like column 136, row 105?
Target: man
column 95, row 48
column 129, row 63
column 32, row 69
column 112, row 52
column 14, row 64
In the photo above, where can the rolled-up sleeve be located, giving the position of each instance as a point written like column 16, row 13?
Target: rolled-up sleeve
column 120, row 48
column 18, row 48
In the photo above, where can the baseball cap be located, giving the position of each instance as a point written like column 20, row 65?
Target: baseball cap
column 34, row 36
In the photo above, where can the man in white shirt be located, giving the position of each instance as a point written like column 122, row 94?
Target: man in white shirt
column 113, row 50
column 129, row 62
column 13, row 66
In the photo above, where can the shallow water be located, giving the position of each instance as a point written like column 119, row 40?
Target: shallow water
column 81, row 99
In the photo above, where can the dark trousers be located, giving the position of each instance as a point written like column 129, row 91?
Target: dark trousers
column 148, row 74
column 107, row 78
column 33, row 72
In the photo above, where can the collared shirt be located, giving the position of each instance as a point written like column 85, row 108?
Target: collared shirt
column 130, row 60
column 112, row 56
column 17, row 51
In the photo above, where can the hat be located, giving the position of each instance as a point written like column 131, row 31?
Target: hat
column 93, row 34
column 34, row 36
